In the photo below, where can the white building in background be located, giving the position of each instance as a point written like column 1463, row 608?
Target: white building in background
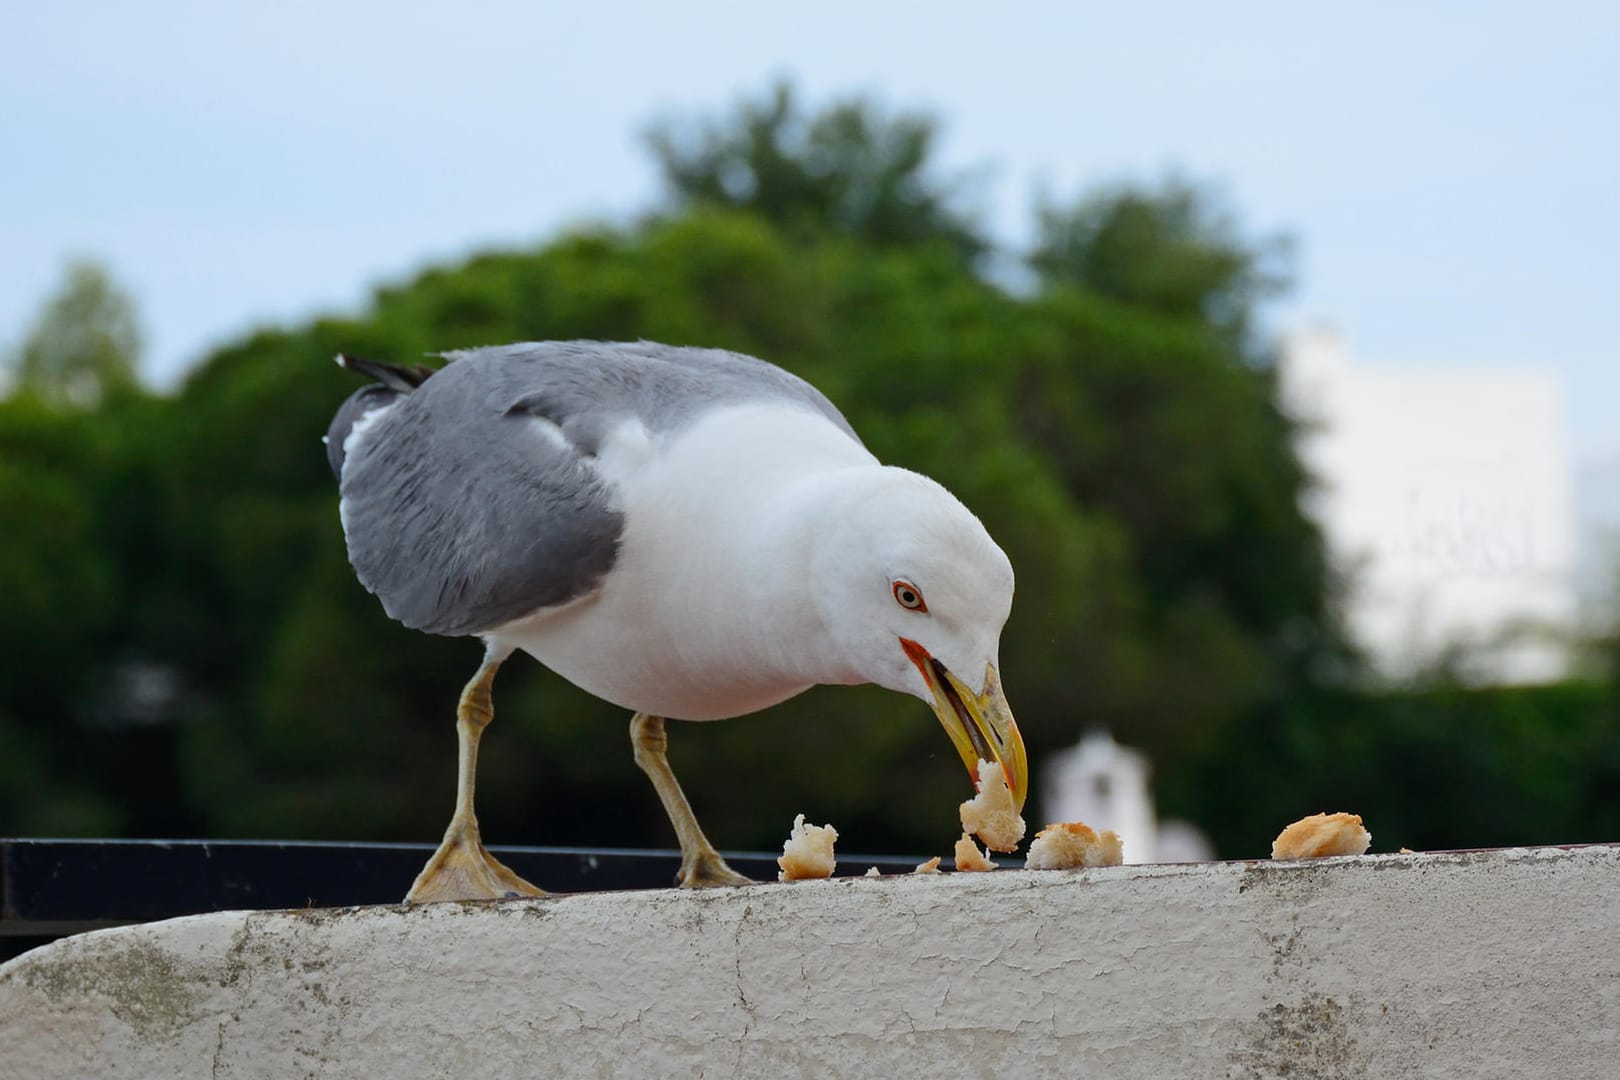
column 1106, row 786
column 1597, row 569
column 1446, row 498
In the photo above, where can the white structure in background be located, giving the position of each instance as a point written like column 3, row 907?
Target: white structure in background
column 1446, row 497
column 1597, row 569
column 1105, row 785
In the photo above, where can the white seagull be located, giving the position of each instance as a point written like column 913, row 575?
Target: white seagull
column 686, row 533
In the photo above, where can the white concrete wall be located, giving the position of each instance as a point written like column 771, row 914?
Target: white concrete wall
column 1489, row 964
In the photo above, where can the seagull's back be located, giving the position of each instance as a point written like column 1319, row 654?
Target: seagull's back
column 507, row 485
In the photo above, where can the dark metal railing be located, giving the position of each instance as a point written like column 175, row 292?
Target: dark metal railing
column 51, row 888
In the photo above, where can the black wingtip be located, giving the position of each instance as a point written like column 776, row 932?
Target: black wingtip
column 394, row 376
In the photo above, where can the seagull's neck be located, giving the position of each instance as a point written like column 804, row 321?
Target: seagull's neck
column 746, row 580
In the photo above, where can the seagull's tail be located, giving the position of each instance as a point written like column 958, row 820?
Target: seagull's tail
column 394, row 376
column 393, row 381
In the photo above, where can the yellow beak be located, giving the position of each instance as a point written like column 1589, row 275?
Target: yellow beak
column 979, row 724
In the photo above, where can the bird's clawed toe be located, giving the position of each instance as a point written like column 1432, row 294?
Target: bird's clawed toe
column 707, row 869
column 462, row 869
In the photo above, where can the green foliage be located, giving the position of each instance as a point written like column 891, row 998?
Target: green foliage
column 1172, row 251
column 61, row 580
column 84, row 345
column 1433, row 769
column 1119, row 459
column 847, row 169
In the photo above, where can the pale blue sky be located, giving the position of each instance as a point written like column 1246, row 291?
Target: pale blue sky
column 1451, row 171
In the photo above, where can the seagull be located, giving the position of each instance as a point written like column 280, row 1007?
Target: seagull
column 686, row 533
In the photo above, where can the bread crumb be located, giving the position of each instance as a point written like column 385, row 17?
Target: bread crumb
column 990, row 815
column 1322, row 835
column 1069, row 844
column 929, row 867
column 968, row 856
column 873, row 872
column 808, row 852
column 1404, row 850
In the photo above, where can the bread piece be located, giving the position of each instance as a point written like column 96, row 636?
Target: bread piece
column 990, row 815
column 1322, row 835
column 968, row 856
column 929, row 867
column 873, row 871
column 1069, row 844
column 808, row 852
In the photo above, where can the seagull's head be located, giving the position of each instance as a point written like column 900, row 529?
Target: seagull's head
column 915, row 594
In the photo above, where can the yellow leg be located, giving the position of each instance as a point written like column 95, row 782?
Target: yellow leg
column 462, row 869
column 701, row 865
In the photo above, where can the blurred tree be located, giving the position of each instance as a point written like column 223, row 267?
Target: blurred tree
column 1173, row 250
column 1115, row 457
column 57, row 589
column 1431, row 769
column 84, row 345
column 1154, row 406
column 847, row 169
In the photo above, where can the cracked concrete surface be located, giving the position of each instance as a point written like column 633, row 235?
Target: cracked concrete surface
column 1502, row 963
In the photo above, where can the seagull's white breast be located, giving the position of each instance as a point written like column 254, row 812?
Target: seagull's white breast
column 706, row 613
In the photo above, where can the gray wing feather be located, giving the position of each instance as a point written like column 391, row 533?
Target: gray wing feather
column 461, row 513
column 584, row 387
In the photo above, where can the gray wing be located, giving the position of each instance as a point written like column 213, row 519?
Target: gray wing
column 462, row 513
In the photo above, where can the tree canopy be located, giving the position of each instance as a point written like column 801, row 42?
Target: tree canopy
column 1173, row 250
column 84, row 345
column 847, row 169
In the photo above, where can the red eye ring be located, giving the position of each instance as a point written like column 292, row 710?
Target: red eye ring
column 908, row 596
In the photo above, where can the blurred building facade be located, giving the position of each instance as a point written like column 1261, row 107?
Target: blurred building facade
column 1446, row 495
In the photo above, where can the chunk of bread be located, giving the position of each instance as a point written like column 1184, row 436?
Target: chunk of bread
column 873, row 871
column 968, row 856
column 1069, row 844
column 1322, row 835
column 808, row 852
column 929, row 867
column 990, row 815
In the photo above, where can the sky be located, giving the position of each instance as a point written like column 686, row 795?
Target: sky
column 1449, row 171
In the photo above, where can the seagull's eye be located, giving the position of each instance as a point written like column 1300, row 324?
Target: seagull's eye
column 907, row 596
